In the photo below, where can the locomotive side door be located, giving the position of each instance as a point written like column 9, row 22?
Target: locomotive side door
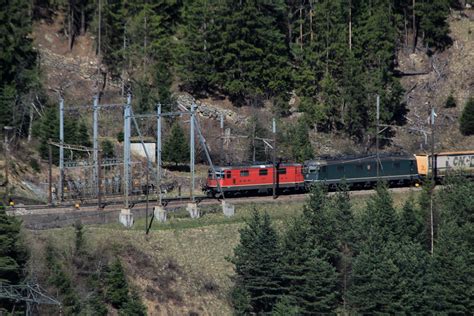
column 228, row 175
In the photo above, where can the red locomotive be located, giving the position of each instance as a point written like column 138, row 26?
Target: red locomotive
column 253, row 179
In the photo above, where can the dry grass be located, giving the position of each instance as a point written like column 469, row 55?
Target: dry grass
column 181, row 267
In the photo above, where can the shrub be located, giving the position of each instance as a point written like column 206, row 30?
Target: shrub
column 467, row 118
column 450, row 102
column 34, row 164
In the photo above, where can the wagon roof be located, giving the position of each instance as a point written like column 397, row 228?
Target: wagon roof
column 253, row 166
column 355, row 159
column 443, row 153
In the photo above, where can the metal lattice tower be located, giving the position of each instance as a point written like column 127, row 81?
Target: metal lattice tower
column 31, row 294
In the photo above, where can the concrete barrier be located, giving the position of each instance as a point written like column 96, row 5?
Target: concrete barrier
column 193, row 210
column 126, row 217
column 228, row 209
column 160, row 213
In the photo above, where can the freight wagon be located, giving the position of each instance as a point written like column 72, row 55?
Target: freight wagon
column 445, row 163
column 362, row 171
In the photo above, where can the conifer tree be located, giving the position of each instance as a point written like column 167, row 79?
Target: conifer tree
column 374, row 274
column 411, row 222
column 309, row 280
column 257, row 266
column 318, row 214
column 117, row 286
column 467, row 118
column 300, row 143
column 196, row 63
column 433, row 23
column 250, row 53
column 13, row 254
column 176, row 148
column 450, row 277
column 257, row 148
column 18, row 73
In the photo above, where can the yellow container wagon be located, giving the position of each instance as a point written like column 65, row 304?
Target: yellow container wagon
column 446, row 163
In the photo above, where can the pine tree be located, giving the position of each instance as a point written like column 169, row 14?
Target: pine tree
column 196, row 63
column 18, row 73
column 117, row 286
column 300, row 143
column 433, row 23
column 450, row 277
column 320, row 218
column 257, row 266
column 309, row 280
column 257, row 148
column 374, row 274
column 176, row 148
column 466, row 122
column 107, row 148
column 13, row 254
column 411, row 222
column 250, row 54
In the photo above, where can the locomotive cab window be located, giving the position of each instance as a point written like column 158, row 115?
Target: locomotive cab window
column 219, row 174
column 228, row 174
column 340, row 168
column 281, row 170
column 263, row 172
column 244, row 173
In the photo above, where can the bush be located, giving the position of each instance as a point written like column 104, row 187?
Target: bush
column 120, row 137
column 450, row 102
column 108, row 149
column 34, row 164
column 467, row 118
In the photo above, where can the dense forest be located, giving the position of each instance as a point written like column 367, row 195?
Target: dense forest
column 331, row 259
column 336, row 56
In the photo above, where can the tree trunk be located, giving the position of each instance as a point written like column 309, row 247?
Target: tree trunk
column 69, row 25
column 83, row 19
column 30, row 127
column 414, row 26
column 301, row 27
column 350, row 24
column 405, row 26
column 311, row 37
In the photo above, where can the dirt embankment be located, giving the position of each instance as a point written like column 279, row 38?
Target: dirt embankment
column 448, row 72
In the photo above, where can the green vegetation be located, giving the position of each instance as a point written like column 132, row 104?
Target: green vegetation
column 450, row 101
column 176, row 147
column 372, row 261
column 335, row 56
column 467, row 118
column 13, row 254
column 108, row 150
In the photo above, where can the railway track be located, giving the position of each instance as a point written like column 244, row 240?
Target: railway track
column 172, row 203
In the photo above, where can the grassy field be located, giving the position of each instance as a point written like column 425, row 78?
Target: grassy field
column 181, row 266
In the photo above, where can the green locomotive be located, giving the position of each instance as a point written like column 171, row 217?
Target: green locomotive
column 362, row 171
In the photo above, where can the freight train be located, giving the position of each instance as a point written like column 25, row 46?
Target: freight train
column 357, row 172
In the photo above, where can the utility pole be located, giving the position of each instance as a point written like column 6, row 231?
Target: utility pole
column 61, row 150
column 6, row 130
column 377, row 138
column 126, row 148
column 191, row 147
column 158, row 154
column 99, row 180
column 222, row 139
column 95, row 141
column 275, row 171
column 433, row 177
column 50, row 174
